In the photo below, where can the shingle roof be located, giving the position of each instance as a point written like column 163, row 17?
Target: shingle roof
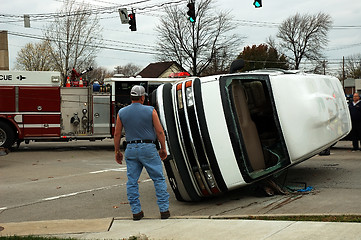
column 154, row 70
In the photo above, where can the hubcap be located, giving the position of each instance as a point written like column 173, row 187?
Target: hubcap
column 2, row 137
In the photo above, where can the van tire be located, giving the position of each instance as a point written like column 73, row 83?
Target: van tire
column 7, row 135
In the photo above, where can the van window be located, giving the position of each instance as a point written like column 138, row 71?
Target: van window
column 255, row 118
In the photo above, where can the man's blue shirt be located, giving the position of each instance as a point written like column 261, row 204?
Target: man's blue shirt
column 138, row 122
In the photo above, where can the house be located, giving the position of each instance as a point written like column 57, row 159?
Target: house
column 352, row 85
column 161, row 70
column 349, row 86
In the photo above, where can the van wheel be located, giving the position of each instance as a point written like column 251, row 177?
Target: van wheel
column 7, row 135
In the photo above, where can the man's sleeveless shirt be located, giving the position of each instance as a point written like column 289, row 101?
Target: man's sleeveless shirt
column 138, row 122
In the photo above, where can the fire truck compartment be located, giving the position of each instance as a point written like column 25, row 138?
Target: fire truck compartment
column 101, row 113
column 73, row 102
column 85, row 113
column 39, row 99
column 7, row 98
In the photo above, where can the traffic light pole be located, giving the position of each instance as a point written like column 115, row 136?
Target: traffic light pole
column 194, row 60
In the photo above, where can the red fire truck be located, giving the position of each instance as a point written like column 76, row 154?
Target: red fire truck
column 34, row 106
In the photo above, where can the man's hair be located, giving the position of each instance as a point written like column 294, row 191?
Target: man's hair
column 135, row 98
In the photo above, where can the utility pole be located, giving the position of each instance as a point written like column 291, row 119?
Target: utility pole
column 324, row 67
column 4, row 51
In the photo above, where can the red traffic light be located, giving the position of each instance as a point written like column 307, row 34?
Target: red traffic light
column 132, row 23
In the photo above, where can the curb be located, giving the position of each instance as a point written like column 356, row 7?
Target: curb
column 64, row 226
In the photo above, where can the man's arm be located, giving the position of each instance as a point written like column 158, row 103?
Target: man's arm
column 117, row 137
column 160, row 135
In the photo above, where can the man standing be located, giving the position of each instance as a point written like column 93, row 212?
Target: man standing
column 355, row 111
column 142, row 128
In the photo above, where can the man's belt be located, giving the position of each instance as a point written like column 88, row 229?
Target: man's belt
column 141, row 141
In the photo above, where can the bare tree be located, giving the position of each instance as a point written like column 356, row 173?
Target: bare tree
column 197, row 45
column 98, row 74
column 304, row 36
column 353, row 66
column 34, row 57
column 128, row 70
column 319, row 67
column 73, row 37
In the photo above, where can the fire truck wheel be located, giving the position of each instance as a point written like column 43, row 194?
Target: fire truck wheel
column 7, row 135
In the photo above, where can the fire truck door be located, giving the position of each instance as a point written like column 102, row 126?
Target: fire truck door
column 40, row 110
column 7, row 99
column 41, row 125
column 101, row 114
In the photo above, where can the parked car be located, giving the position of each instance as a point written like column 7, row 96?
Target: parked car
column 226, row 131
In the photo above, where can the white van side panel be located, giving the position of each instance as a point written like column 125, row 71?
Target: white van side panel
column 219, row 135
column 312, row 110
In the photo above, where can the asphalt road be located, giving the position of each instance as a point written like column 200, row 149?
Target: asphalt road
column 81, row 180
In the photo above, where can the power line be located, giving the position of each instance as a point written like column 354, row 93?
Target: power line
column 244, row 22
column 144, row 10
column 101, row 47
column 346, row 27
column 344, row 47
column 150, row 47
column 100, row 10
column 96, row 1
column 133, row 45
column 276, row 25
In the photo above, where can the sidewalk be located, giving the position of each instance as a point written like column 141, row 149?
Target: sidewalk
column 186, row 228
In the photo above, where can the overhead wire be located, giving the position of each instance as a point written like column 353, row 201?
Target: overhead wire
column 99, row 10
column 144, row 10
column 101, row 47
column 114, row 46
column 132, row 44
column 344, row 47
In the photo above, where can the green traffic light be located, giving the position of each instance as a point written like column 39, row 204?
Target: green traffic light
column 191, row 12
column 257, row 3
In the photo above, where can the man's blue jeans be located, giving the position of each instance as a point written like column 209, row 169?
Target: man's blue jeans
column 138, row 155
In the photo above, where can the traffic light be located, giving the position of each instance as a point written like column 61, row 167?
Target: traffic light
column 191, row 12
column 132, row 23
column 257, row 3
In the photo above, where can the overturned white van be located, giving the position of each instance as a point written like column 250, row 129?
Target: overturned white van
column 226, row 131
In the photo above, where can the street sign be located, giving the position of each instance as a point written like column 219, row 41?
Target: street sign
column 26, row 20
column 123, row 15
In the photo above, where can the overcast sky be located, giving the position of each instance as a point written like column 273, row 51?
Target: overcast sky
column 254, row 24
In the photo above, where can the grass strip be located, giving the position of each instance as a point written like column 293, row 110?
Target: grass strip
column 312, row 218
